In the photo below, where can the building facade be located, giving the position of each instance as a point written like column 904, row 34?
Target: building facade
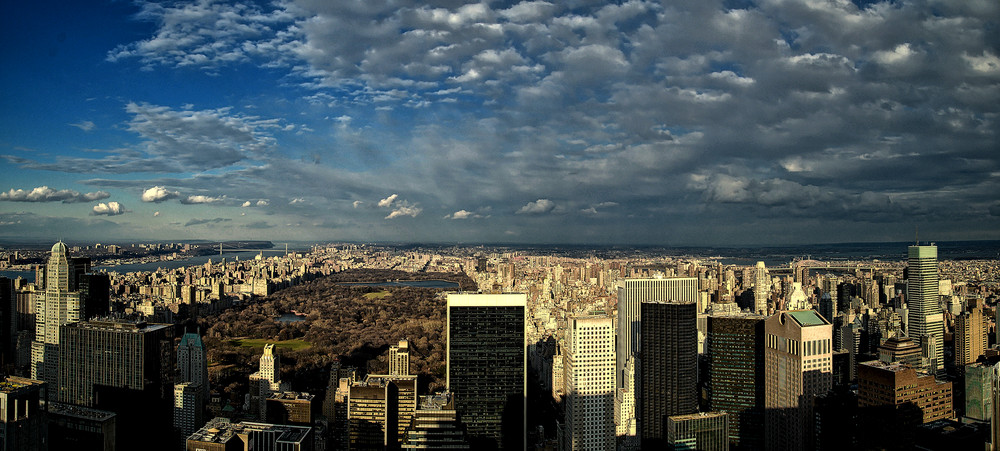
column 487, row 367
column 57, row 303
column 703, row 431
column 926, row 322
column 667, row 367
column 590, row 383
column 798, row 365
column 631, row 295
column 736, row 376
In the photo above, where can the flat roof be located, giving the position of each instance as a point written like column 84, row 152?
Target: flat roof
column 487, row 300
column 807, row 317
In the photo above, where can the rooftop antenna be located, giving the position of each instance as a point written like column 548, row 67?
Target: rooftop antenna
column 916, row 236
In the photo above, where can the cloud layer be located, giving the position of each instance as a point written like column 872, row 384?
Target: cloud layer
column 639, row 121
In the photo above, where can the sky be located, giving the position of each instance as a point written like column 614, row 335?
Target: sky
column 699, row 122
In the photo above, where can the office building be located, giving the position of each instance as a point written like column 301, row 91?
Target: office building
column 192, row 363
column 265, row 381
column 703, row 431
column 736, row 376
column 487, row 367
column 57, row 303
column 631, row 295
column 900, row 350
column 8, row 325
column 798, row 365
column 372, row 415
column 590, row 383
column 23, row 403
column 761, row 288
column 399, row 359
column 292, row 408
column 406, row 399
column 899, row 386
column 188, row 407
column 113, row 354
column 122, row 366
column 436, row 425
column 220, row 434
column 926, row 322
column 970, row 335
column 80, row 428
column 667, row 367
column 979, row 391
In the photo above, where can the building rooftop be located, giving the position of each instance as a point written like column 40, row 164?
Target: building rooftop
column 13, row 384
column 697, row 415
column 292, row 396
column 79, row 411
column 808, row 318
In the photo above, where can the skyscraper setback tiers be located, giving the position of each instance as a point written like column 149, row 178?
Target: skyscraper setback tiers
column 567, row 322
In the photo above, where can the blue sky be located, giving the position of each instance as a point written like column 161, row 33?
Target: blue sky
column 701, row 122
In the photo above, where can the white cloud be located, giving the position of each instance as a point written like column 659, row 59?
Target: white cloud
column 246, row 204
column 404, row 210
column 387, row 201
column 297, row 200
column 156, row 214
column 109, row 209
column 539, row 206
column 84, row 125
column 46, row 194
column 357, row 203
column 201, row 199
column 460, row 214
column 262, row 203
column 158, row 194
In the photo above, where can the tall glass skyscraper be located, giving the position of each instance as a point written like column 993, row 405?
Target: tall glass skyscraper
column 487, row 367
column 631, row 295
column 667, row 368
column 926, row 322
column 736, row 376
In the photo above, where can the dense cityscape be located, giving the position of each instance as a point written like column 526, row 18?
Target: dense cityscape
column 560, row 350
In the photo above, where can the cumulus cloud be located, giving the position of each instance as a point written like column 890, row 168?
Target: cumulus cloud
column 109, row 209
column 46, row 194
column 387, row 201
column 201, row 199
column 246, row 204
column 158, row 194
column 156, row 214
column 404, row 210
column 357, row 203
column 262, row 203
column 460, row 214
column 537, row 207
column 297, row 200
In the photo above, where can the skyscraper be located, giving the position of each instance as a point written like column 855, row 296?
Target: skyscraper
column 123, row 366
column 736, row 376
column 970, row 335
column 487, row 367
column 265, row 381
column 58, row 304
column 761, row 288
column 667, row 367
column 590, row 383
column 630, row 297
column 23, row 407
column 926, row 322
column 192, row 364
column 798, row 365
column 399, row 359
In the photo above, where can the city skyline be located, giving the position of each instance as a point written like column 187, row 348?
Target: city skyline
column 701, row 123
